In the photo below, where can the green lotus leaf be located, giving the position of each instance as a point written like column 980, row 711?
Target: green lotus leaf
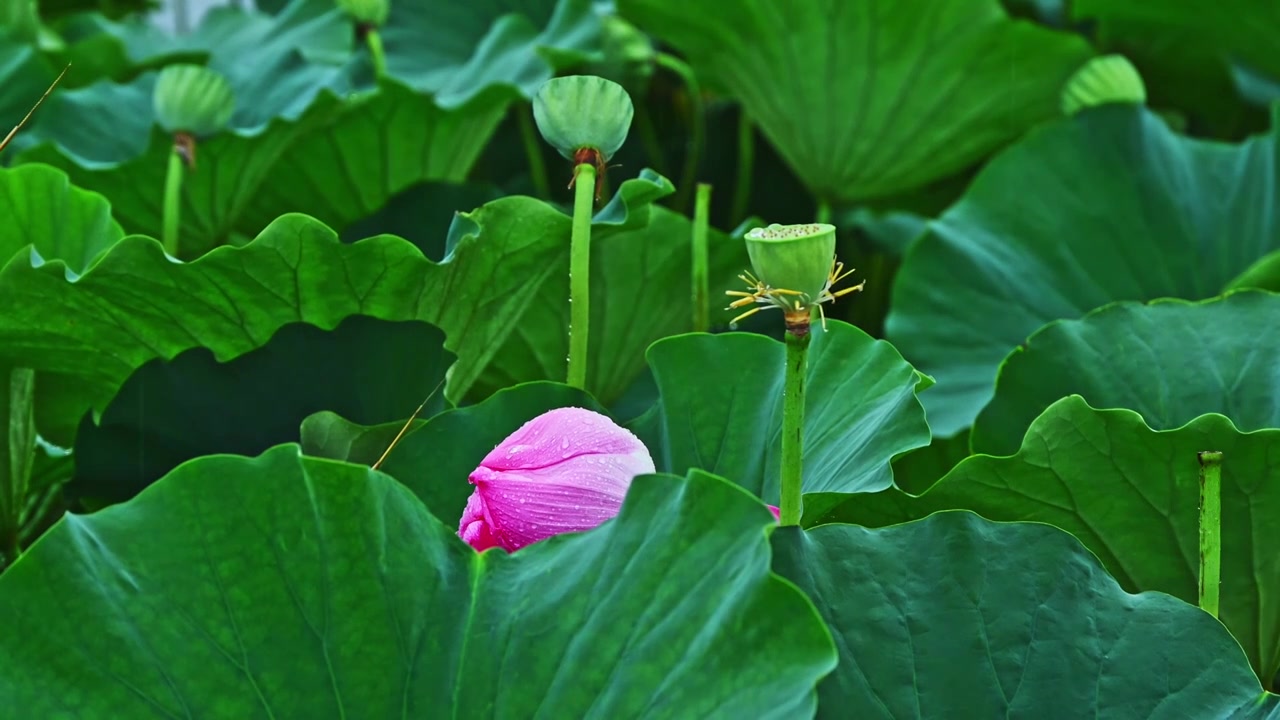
column 232, row 38
column 1033, row 625
column 1131, row 495
column 48, row 216
column 862, row 412
column 86, row 335
column 874, row 99
column 378, row 145
column 295, row 587
column 720, row 411
column 169, row 412
column 1187, row 49
column 108, row 143
column 52, row 9
column 1170, row 361
column 25, row 75
column 639, row 294
column 1183, row 218
column 436, row 454
column 457, row 51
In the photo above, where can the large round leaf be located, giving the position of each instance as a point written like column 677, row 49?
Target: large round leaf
column 954, row 616
column 87, row 336
column 1131, row 494
column 169, row 412
column 721, row 411
column 640, row 290
column 24, row 75
column 1186, row 49
column 283, row 586
column 130, row 169
column 378, row 145
column 44, row 211
column 1108, row 205
column 868, row 99
column 458, row 50
column 435, row 455
column 1171, row 361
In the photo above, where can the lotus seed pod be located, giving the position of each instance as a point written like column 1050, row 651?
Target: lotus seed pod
column 583, row 112
column 794, row 257
column 1103, row 80
column 367, row 12
column 192, row 99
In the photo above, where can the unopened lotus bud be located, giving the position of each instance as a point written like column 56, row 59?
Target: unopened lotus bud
column 193, row 99
column 583, row 112
column 567, row 470
column 367, row 12
column 794, row 257
column 1103, row 80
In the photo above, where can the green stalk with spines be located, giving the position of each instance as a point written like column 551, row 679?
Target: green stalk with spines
column 579, row 269
column 791, row 505
column 533, row 151
column 701, row 279
column 172, row 208
column 697, row 121
column 1210, row 530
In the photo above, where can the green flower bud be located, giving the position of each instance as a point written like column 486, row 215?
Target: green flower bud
column 1103, row 80
column 192, row 99
column 794, row 257
column 583, row 112
column 367, row 12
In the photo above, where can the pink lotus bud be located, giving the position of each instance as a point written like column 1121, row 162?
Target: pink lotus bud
column 567, row 470
column 777, row 513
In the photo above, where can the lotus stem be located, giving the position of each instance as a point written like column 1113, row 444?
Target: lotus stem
column 791, row 506
column 533, row 151
column 1210, row 530
column 373, row 39
column 172, row 199
column 20, row 440
column 823, row 213
column 579, row 268
column 746, row 165
column 697, row 121
column 701, row 283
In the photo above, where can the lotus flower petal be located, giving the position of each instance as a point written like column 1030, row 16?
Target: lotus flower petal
column 566, row 470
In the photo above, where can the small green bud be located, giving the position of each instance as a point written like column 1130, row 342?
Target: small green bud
column 1103, row 80
column 794, row 257
column 583, row 112
column 367, row 12
column 192, row 99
